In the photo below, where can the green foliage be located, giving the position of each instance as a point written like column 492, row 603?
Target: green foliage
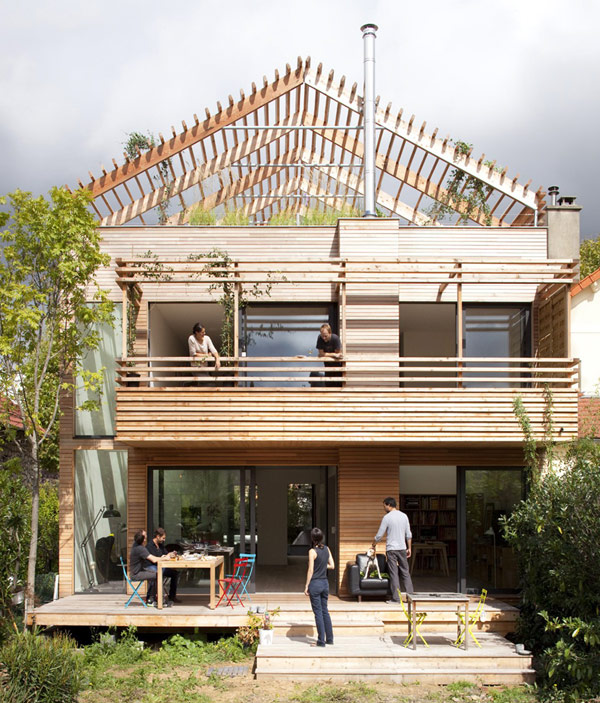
column 589, row 256
column 465, row 195
column 134, row 146
column 48, row 529
column 235, row 218
column 38, row 669
column 15, row 508
column 199, row 217
column 178, row 650
column 51, row 254
column 312, row 217
column 555, row 533
column 247, row 635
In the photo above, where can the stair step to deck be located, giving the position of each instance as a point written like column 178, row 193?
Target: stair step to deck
column 499, row 677
column 344, row 627
column 384, row 657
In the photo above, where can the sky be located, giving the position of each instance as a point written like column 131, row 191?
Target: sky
column 518, row 79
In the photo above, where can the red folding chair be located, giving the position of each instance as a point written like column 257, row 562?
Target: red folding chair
column 231, row 585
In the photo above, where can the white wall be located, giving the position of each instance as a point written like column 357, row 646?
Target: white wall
column 428, row 480
column 585, row 336
column 271, row 517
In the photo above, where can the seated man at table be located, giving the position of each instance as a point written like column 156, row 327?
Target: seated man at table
column 157, row 548
column 142, row 565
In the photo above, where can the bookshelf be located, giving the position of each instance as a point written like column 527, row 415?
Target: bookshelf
column 432, row 519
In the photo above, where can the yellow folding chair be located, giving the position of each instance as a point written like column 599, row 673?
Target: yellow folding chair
column 420, row 620
column 474, row 618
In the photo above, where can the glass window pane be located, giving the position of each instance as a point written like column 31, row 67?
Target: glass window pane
column 100, row 520
column 490, row 494
column 101, row 423
column 284, row 330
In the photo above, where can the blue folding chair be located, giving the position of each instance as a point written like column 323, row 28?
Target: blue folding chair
column 133, row 588
column 250, row 560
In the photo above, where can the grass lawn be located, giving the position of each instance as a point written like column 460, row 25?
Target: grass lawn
column 187, row 671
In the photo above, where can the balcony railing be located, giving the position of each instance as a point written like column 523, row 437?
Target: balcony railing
column 355, row 371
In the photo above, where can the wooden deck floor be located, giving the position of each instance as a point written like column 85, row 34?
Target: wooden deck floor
column 296, row 619
column 384, row 658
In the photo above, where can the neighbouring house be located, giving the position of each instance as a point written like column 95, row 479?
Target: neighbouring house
column 585, row 336
column 446, row 312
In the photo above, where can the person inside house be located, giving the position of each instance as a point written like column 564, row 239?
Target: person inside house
column 140, row 563
column 395, row 525
column 201, row 348
column 156, row 546
column 329, row 348
column 317, row 586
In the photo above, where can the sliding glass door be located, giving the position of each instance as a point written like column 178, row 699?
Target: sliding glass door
column 485, row 558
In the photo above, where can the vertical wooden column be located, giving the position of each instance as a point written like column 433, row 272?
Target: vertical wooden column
column 366, row 475
column 66, row 494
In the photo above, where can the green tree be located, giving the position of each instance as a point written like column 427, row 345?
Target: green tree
column 589, row 255
column 49, row 260
column 556, row 535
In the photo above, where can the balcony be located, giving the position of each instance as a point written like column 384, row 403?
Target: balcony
column 378, row 400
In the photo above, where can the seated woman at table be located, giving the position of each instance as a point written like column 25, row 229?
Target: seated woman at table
column 142, row 565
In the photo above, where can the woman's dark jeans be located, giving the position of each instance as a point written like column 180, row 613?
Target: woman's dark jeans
column 318, row 590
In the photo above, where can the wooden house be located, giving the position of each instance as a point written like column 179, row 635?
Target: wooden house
column 446, row 314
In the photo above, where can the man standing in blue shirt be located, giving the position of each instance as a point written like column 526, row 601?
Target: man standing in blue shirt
column 397, row 548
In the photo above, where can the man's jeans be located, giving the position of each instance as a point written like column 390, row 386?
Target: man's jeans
column 399, row 571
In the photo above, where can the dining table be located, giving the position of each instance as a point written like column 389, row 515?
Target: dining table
column 211, row 562
column 461, row 600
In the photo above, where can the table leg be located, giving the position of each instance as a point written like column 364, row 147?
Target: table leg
column 414, row 625
column 211, row 603
column 159, row 586
column 467, row 625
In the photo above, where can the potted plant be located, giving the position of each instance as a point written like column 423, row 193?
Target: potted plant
column 265, row 633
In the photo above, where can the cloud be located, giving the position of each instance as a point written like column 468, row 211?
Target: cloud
column 517, row 79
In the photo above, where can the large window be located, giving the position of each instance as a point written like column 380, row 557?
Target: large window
column 101, row 423
column 486, row 496
column 271, row 329
column 497, row 331
column 100, row 520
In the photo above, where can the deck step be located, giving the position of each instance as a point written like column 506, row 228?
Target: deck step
column 344, row 627
column 506, row 677
column 384, row 658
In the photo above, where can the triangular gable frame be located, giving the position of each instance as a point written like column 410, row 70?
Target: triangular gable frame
column 406, row 156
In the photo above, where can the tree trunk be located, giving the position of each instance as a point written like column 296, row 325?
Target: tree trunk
column 35, row 511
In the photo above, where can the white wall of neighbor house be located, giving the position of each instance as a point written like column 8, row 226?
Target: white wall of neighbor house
column 427, row 480
column 585, row 336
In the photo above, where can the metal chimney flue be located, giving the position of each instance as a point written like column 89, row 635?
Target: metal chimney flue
column 369, row 36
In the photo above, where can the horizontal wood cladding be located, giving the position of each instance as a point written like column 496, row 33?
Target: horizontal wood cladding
column 360, row 499
column 347, row 417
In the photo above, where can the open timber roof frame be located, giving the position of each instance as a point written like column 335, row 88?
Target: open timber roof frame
column 251, row 156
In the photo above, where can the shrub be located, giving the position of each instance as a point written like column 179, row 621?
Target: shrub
column 178, row 650
column 199, row 217
column 555, row 533
column 39, row 669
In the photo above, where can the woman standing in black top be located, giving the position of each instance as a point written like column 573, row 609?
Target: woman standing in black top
column 317, row 586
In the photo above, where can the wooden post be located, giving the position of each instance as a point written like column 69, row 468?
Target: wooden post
column 459, row 324
column 124, row 324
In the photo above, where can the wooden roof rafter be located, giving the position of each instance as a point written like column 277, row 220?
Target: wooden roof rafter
column 407, row 158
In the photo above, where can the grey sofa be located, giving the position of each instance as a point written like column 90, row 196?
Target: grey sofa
column 360, row 586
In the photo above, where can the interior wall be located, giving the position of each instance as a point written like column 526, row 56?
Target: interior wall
column 271, row 517
column 428, row 480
